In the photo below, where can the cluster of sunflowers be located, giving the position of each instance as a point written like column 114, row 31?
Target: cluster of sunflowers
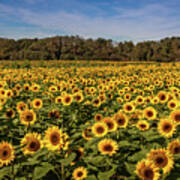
column 90, row 121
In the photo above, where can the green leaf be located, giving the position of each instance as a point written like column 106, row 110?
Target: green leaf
column 4, row 171
column 106, row 175
column 138, row 156
column 130, row 168
column 68, row 160
column 41, row 171
column 92, row 177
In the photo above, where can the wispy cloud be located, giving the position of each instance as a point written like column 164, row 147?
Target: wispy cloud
column 152, row 21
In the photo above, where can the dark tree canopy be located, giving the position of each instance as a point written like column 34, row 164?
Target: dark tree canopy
column 78, row 48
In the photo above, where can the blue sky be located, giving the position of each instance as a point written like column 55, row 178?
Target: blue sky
column 120, row 20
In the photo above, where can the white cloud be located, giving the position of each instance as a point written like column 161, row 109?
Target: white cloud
column 150, row 22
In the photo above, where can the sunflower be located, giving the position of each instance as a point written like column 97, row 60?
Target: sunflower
column 150, row 113
column 21, row 106
column 175, row 116
column 28, row 117
column 127, row 97
column 98, row 117
column 121, row 120
column 107, row 147
column 139, row 100
column 10, row 114
column 146, row 170
column 80, row 173
column 96, row 102
column 111, row 124
column 163, row 97
column 142, row 125
column 87, row 133
column 9, row 93
column 174, row 147
column 166, row 127
column 78, row 97
column 129, row 107
column 58, row 99
column 31, row 143
column 172, row 104
column 99, row 129
column 161, row 159
column 6, row 153
column 67, row 99
column 53, row 138
column 54, row 114
column 37, row 103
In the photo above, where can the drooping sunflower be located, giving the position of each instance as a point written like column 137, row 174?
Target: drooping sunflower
column 175, row 116
column 80, row 173
column 142, row 125
column 87, row 133
column 146, row 170
column 100, row 129
column 6, row 153
column 166, row 127
column 10, row 113
column 174, row 147
column 31, row 143
column 150, row 113
column 53, row 138
column 27, row 117
column 21, row 106
column 67, row 99
column 54, row 114
column 107, row 147
column 37, row 103
column 161, row 159
column 111, row 124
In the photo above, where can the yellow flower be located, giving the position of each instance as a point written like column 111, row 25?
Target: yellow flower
column 28, row 117
column 80, row 173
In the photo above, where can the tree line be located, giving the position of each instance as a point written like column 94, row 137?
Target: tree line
column 78, row 48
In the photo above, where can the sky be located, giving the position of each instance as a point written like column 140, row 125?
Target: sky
column 120, row 20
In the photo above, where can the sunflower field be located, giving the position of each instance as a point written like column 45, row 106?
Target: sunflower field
column 89, row 120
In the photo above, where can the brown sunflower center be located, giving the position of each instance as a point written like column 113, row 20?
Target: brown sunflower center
column 29, row 117
column 143, row 126
column 100, row 130
column 5, row 153
column 167, row 127
column 67, row 99
column 9, row 113
column 172, row 105
column 121, row 121
column 110, row 125
column 79, row 174
column 38, row 103
column 162, row 97
column 129, row 108
column 34, row 146
column 149, row 113
column 177, row 117
column 108, row 148
column 148, row 174
column 177, row 150
column 54, row 138
column 161, row 161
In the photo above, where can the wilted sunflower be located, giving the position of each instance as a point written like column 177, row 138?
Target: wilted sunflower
column 121, row 120
column 175, row 116
column 80, row 173
column 6, row 153
column 111, row 124
column 27, row 117
column 10, row 113
column 54, row 114
column 166, row 127
column 67, row 99
column 150, row 113
column 161, row 159
column 107, row 147
column 21, row 106
column 146, row 170
column 174, row 147
column 99, row 129
column 37, row 103
column 87, row 133
column 53, row 138
column 31, row 143
column 142, row 125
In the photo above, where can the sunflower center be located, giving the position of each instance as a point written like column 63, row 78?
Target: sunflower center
column 5, row 154
column 108, row 147
column 79, row 174
column 143, row 126
column 172, row 105
column 29, row 117
column 148, row 173
column 177, row 117
column 167, row 127
column 100, row 130
column 163, row 97
column 176, row 150
column 67, row 100
column 129, row 108
column 37, row 103
column 121, row 121
column 161, row 161
column 149, row 113
column 9, row 113
column 110, row 125
column 34, row 146
column 55, row 138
